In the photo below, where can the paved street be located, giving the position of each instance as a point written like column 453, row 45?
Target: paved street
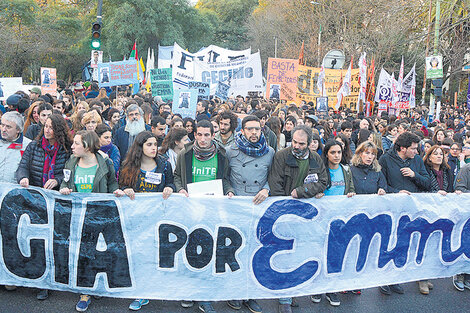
column 444, row 298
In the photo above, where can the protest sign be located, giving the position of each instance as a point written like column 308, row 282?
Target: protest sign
column 307, row 86
column 214, row 248
column 222, row 91
column 117, row 73
column 242, row 75
column 162, row 83
column 48, row 81
column 185, row 103
column 383, row 95
column 203, row 89
column 10, row 85
column 434, row 67
column 96, row 58
column 282, row 79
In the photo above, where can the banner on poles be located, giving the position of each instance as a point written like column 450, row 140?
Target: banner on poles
column 118, row 73
column 214, row 248
column 10, row 85
column 49, row 81
column 243, row 74
column 282, row 79
column 185, row 68
column 307, row 86
column 162, row 83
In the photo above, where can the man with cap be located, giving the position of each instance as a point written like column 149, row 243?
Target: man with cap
column 34, row 93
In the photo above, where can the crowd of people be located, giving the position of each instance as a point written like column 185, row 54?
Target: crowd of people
column 94, row 140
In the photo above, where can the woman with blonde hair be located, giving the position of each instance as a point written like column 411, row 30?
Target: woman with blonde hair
column 91, row 119
column 367, row 175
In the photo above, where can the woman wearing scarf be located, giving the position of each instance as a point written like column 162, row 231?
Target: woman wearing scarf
column 104, row 133
column 44, row 159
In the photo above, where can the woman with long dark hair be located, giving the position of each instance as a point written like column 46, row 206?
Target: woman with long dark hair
column 340, row 182
column 44, row 159
column 188, row 124
column 144, row 170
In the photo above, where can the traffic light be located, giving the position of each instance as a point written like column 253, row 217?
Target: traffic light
column 96, row 36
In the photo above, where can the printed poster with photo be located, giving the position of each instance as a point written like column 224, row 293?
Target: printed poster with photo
column 185, row 102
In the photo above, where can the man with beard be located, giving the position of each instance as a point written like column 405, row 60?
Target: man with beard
column 201, row 161
column 299, row 173
column 124, row 137
column 158, row 124
column 249, row 161
column 227, row 124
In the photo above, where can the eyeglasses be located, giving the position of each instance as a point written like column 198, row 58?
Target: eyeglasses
column 253, row 128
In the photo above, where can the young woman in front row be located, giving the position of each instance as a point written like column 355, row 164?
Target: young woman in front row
column 144, row 170
column 88, row 171
column 340, row 182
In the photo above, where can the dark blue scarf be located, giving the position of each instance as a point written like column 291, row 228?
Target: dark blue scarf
column 252, row 149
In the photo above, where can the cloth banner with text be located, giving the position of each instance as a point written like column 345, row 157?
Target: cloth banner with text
column 215, row 248
column 243, row 74
column 118, row 73
column 307, row 86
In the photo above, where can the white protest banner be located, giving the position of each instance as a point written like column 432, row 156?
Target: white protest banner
column 10, row 85
column 215, row 54
column 49, row 81
column 215, row 248
column 242, row 75
column 183, row 67
column 184, row 62
column 185, row 102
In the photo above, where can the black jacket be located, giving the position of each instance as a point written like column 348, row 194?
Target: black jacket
column 391, row 164
column 448, row 180
column 33, row 131
column 366, row 180
column 32, row 164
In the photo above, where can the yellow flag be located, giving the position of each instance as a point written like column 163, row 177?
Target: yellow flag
column 142, row 65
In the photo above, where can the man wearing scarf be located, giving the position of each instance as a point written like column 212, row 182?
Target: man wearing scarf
column 200, row 161
column 124, row 137
column 299, row 173
column 249, row 162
